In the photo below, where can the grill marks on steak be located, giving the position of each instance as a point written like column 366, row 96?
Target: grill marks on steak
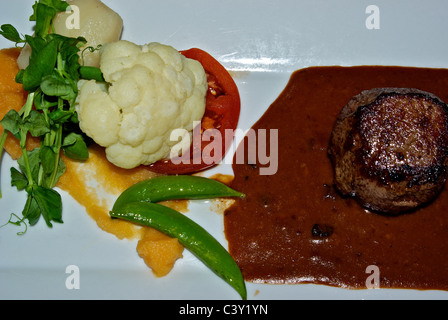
column 389, row 148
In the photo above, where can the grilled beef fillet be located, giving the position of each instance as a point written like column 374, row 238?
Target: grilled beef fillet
column 389, row 149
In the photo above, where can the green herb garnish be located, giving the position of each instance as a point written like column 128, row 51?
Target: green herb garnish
column 51, row 80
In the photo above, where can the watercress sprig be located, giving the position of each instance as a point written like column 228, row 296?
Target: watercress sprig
column 51, row 80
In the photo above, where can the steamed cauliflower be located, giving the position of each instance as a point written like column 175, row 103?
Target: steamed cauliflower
column 150, row 91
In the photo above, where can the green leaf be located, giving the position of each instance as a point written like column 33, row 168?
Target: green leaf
column 34, row 163
column 50, row 204
column 57, row 86
column 31, row 211
column 33, row 17
column 75, row 147
column 36, row 124
column 68, row 46
column 42, row 63
column 69, row 50
column 19, row 76
column 36, row 44
column 58, row 5
column 47, row 159
column 12, row 122
column 43, row 202
column 75, row 119
column 42, row 156
column 60, row 170
column 61, row 116
column 41, row 101
column 43, row 15
column 11, row 33
column 18, row 179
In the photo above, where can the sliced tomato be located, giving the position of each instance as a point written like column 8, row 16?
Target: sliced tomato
column 222, row 112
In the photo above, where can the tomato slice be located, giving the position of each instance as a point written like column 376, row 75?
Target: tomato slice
column 222, row 112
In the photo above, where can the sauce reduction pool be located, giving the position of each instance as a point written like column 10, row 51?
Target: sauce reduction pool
column 293, row 227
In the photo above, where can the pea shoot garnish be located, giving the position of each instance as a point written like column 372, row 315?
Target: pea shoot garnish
column 49, row 114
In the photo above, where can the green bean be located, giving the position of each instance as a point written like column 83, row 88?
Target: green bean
column 164, row 188
column 191, row 235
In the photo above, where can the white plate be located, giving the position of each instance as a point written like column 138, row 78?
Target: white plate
column 262, row 41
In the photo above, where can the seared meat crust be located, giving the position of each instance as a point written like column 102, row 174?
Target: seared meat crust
column 389, row 148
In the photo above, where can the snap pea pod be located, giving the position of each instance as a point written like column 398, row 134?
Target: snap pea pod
column 191, row 235
column 164, row 188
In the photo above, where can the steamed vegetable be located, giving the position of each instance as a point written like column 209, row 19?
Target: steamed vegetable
column 163, row 188
column 152, row 90
column 222, row 112
column 137, row 204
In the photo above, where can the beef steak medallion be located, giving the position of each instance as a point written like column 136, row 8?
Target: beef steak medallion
column 389, row 149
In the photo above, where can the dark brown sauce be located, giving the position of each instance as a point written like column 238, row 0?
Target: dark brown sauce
column 292, row 227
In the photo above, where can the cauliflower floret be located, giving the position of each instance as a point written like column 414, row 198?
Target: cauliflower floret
column 151, row 90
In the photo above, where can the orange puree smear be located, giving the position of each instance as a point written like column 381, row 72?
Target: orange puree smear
column 95, row 183
column 158, row 249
